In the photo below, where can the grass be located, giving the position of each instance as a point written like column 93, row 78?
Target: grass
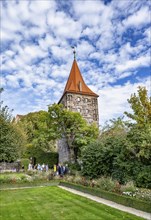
column 29, row 184
column 53, row 203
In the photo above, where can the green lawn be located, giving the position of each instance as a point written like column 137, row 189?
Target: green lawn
column 53, row 203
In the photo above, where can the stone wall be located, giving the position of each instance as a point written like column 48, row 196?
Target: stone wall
column 86, row 105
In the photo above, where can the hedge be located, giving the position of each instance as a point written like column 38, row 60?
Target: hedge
column 120, row 199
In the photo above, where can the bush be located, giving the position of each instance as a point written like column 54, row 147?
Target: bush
column 129, row 187
column 106, row 184
column 92, row 160
column 113, row 157
column 25, row 162
column 15, row 178
column 143, row 178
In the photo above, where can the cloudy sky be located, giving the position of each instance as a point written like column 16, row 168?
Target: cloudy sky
column 112, row 40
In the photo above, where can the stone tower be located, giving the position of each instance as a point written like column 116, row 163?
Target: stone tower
column 78, row 97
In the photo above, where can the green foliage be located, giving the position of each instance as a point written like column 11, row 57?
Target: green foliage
column 106, row 184
column 143, row 179
column 36, row 127
column 12, row 138
column 15, row 178
column 123, row 150
column 41, row 142
column 5, row 112
column 25, row 162
column 42, row 156
column 141, row 106
column 71, row 126
column 12, row 141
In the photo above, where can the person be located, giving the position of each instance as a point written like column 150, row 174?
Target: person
column 47, row 167
column 66, row 169
column 62, row 170
column 38, row 167
column 59, row 169
column 30, row 166
column 55, row 169
column 43, row 167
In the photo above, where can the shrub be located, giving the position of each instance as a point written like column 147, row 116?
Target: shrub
column 106, row 184
column 15, row 178
column 143, row 179
column 25, row 162
column 129, row 187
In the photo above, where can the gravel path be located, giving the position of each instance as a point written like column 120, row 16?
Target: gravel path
column 133, row 211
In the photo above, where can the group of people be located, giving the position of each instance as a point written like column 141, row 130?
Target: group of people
column 60, row 169
column 43, row 167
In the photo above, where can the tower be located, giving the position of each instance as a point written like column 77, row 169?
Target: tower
column 77, row 97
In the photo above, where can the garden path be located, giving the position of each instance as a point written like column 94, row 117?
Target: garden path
column 133, row 211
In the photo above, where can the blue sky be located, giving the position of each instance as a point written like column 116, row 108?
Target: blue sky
column 112, row 40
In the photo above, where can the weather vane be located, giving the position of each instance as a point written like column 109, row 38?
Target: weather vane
column 74, row 52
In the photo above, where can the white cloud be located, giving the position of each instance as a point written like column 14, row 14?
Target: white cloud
column 40, row 7
column 63, row 26
column 113, row 100
column 139, row 18
column 147, row 33
column 84, row 49
column 133, row 64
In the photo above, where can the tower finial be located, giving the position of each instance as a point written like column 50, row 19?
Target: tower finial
column 74, row 52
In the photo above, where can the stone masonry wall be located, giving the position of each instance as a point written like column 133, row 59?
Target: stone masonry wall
column 87, row 106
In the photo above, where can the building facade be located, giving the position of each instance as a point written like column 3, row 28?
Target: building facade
column 78, row 97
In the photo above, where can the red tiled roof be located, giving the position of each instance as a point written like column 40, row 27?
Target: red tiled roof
column 76, row 84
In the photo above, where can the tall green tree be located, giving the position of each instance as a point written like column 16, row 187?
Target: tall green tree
column 72, row 127
column 141, row 106
column 140, row 131
column 36, row 126
column 12, row 138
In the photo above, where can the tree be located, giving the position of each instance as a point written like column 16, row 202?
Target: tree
column 72, row 127
column 141, row 106
column 115, row 127
column 41, row 143
column 140, row 131
column 13, row 139
column 36, row 126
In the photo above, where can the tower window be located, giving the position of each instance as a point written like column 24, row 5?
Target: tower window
column 78, row 99
column 79, row 110
column 80, row 86
column 69, row 97
column 86, row 100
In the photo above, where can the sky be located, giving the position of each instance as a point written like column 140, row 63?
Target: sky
column 112, row 39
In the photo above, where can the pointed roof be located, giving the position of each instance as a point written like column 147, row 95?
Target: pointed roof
column 76, row 84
